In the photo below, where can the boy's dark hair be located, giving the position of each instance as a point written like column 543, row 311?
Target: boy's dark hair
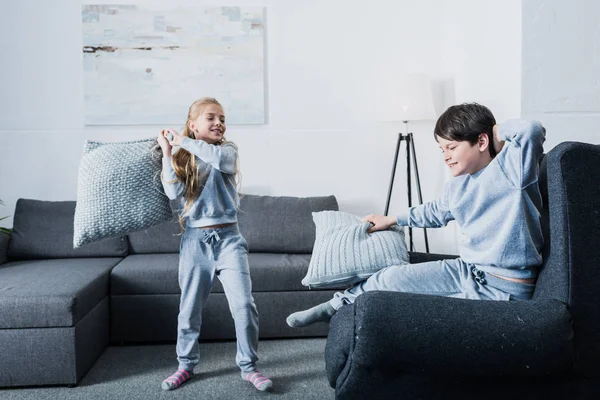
column 466, row 122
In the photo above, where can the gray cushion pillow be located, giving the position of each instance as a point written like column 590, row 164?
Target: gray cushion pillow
column 119, row 190
column 344, row 253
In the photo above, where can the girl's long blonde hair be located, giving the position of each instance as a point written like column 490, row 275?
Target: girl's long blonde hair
column 184, row 163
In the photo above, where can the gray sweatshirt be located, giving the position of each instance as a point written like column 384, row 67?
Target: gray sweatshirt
column 498, row 208
column 218, row 202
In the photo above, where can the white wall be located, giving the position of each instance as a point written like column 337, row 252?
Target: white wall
column 325, row 60
column 561, row 68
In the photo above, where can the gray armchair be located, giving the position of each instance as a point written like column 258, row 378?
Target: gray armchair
column 391, row 345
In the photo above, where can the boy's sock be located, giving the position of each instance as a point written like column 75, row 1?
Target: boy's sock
column 321, row 313
column 259, row 381
column 176, row 380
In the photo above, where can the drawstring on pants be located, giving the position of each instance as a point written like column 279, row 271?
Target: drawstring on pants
column 211, row 238
column 478, row 275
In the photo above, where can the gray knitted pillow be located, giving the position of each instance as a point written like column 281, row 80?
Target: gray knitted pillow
column 344, row 253
column 119, row 190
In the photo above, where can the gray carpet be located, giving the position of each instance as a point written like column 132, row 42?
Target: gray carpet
column 296, row 366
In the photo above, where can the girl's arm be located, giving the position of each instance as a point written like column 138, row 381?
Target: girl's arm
column 173, row 186
column 171, row 183
column 221, row 157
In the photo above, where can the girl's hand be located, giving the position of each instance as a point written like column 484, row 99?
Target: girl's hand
column 164, row 143
column 380, row 222
column 174, row 138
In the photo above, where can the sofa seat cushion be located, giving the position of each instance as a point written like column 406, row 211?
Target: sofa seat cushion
column 158, row 273
column 146, row 274
column 51, row 293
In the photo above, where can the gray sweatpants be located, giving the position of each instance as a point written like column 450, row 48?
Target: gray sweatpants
column 204, row 254
column 451, row 278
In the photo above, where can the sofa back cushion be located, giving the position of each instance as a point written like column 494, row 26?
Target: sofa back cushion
column 269, row 224
column 44, row 229
column 162, row 238
column 281, row 224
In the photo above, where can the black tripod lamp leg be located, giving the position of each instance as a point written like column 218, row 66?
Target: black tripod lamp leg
column 408, row 139
column 420, row 196
column 389, row 195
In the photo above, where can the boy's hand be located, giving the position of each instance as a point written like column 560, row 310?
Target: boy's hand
column 380, row 222
column 498, row 144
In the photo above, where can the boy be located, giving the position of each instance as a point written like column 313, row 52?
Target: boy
column 495, row 199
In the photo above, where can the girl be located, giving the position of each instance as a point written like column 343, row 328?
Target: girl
column 201, row 177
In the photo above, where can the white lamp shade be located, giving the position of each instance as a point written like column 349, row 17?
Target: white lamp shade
column 407, row 98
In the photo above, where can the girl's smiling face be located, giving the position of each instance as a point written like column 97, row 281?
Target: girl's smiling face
column 210, row 124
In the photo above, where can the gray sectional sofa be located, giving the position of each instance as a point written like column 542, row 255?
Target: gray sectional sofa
column 60, row 307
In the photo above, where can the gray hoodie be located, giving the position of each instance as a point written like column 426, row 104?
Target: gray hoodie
column 218, row 201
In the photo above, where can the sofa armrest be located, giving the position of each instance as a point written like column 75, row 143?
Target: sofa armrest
column 4, row 240
column 416, row 257
column 413, row 333
column 340, row 345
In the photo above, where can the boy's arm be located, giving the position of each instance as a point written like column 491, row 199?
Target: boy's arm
column 171, row 183
column 220, row 157
column 434, row 214
column 521, row 150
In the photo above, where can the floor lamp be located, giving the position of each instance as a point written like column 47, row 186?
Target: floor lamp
column 410, row 159
column 408, row 98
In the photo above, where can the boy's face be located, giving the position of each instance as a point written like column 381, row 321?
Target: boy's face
column 210, row 125
column 464, row 158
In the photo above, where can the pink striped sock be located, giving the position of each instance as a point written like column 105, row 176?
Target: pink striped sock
column 260, row 381
column 176, row 380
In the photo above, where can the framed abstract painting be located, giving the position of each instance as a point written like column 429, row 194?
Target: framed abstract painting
column 145, row 64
